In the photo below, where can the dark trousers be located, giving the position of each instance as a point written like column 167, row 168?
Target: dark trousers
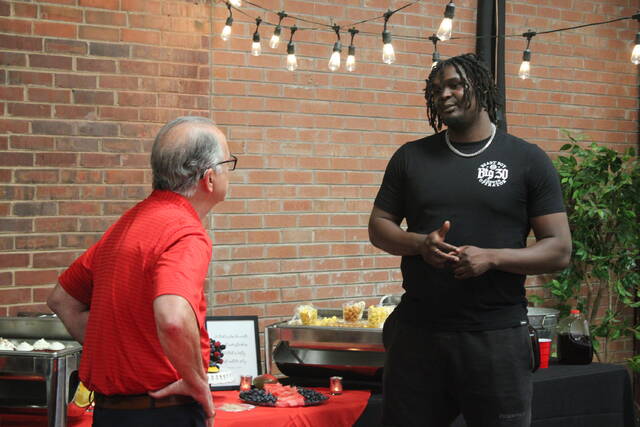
column 432, row 377
column 190, row 415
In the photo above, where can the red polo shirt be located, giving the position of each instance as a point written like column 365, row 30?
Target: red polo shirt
column 158, row 247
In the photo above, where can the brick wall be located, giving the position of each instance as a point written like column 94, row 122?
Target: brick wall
column 85, row 84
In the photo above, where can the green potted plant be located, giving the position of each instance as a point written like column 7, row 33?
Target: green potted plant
column 601, row 189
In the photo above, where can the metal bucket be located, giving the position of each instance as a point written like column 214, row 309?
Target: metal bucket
column 544, row 320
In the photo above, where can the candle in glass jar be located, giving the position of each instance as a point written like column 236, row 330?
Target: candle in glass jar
column 335, row 385
column 245, row 382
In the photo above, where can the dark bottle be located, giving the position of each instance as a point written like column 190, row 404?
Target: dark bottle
column 574, row 342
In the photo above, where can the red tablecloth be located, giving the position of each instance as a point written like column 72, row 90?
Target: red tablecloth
column 338, row 411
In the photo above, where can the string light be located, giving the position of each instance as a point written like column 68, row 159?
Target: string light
column 635, row 54
column 351, row 58
column 292, row 61
column 226, row 31
column 525, row 67
column 436, row 55
column 256, row 47
column 334, row 61
column 444, row 30
column 275, row 38
column 388, row 54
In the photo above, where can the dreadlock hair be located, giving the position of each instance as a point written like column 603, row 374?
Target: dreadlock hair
column 476, row 78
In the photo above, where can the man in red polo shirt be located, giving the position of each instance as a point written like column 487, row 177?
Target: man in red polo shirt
column 135, row 299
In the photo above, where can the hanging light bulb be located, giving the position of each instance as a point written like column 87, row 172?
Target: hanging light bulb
column 236, row 3
column 525, row 67
column 256, row 47
column 635, row 55
column 388, row 54
column 436, row 55
column 275, row 38
column 226, row 31
column 351, row 58
column 292, row 61
column 444, row 30
column 334, row 61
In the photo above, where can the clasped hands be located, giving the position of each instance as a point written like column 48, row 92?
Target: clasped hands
column 465, row 261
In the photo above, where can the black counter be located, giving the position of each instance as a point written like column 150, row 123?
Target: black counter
column 594, row 395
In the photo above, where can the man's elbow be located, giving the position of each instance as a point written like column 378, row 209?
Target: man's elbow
column 564, row 258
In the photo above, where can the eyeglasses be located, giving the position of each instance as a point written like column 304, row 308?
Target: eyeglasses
column 233, row 162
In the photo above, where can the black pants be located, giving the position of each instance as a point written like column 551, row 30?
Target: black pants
column 432, row 377
column 190, row 415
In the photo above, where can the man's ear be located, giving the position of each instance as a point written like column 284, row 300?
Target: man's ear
column 209, row 180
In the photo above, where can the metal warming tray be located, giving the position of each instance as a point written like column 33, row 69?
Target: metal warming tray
column 318, row 351
column 38, row 380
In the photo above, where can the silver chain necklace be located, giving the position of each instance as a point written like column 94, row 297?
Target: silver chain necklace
column 460, row 153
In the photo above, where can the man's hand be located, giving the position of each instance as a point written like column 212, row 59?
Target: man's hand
column 473, row 262
column 435, row 251
column 200, row 393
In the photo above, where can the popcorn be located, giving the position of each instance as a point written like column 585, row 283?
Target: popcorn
column 307, row 313
column 352, row 311
column 377, row 314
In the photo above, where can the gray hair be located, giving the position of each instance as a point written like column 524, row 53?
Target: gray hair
column 178, row 162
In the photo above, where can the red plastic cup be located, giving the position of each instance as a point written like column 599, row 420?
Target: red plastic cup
column 545, row 350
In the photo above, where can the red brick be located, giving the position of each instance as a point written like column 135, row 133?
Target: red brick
column 17, row 77
column 35, row 176
column 53, row 259
column 6, row 278
column 17, row 295
column 29, row 110
column 20, row 26
column 51, row 127
column 99, row 33
column 16, row 159
column 13, row 59
column 36, row 242
column 58, row 13
column 50, row 61
column 75, row 81
column 28, row 142
column 48, row 95
column 117, row 19
column 13, row 260
column 9, row 41
column 11, row 93
column 75, row 112
column 54, row 29
column 100, row 4
column 101, row 65
column 65, row 46
column 15, row 225
column 25, row 10
column 56, row 224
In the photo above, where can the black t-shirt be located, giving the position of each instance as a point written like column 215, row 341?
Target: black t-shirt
column 488, row 199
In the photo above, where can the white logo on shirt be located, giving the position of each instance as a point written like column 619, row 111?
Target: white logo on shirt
column 493, row 173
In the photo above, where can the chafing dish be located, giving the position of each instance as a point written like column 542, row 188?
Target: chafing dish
column 321, row 351
column 38, row 380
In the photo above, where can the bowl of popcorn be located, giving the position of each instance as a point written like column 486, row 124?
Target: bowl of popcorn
column 308, row 314
column 377, row 314
column 352, row 311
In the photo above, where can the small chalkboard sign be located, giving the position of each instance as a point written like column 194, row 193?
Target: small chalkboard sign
column 242, row 353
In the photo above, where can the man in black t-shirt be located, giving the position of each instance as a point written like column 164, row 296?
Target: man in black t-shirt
column 458, row 341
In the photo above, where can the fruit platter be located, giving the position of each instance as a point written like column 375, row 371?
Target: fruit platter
column 268, row 391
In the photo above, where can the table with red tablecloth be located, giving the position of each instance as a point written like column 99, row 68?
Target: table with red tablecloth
column 337, row 411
